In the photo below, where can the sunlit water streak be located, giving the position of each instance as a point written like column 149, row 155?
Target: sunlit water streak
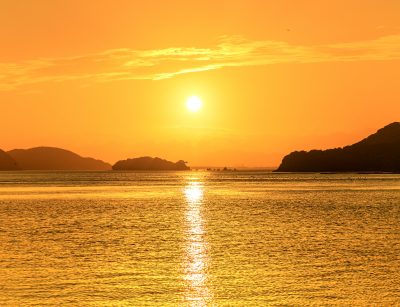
column 196, row 251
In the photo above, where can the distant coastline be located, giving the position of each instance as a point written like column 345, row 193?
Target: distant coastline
column 378, row 153
column 53, row 158
column 58, row 159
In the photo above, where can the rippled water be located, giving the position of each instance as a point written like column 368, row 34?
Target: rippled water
column 199, row 239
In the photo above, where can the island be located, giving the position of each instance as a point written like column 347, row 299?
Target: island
column 379, row 152
column 53, row 158
column 150, row 164
column 6, row 162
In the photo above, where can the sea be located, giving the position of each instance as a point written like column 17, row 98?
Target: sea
column 199, row 238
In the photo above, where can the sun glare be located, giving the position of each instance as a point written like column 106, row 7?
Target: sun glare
column 194, row 103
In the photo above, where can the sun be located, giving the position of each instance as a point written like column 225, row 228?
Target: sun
column 194, row 104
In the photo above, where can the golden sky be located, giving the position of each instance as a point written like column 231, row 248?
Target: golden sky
column 109, row 79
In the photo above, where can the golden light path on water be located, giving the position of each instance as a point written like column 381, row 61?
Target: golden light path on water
column 196, row 264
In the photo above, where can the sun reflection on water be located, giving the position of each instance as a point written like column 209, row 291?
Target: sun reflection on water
column 196, row 263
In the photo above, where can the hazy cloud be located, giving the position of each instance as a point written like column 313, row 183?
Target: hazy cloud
column 157, row 64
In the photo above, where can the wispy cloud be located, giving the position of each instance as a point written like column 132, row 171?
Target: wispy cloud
column 157, row 64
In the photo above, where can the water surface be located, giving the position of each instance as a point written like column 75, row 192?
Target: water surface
column 199, row 239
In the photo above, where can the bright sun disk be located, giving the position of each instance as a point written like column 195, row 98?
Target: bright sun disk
column 194, row 103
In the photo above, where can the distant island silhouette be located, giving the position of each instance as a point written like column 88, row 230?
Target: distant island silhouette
column 6, row 162
column 52, row 158
column 379, row 152
column 149, row 163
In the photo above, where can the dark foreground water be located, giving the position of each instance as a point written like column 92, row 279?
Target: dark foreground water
column 199, row 239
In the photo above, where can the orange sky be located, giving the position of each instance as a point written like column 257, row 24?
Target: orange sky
column 109, row 79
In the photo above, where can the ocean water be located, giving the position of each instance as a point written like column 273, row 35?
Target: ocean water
column 199, row 239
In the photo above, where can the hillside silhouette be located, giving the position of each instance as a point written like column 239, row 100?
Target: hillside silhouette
column 6, row 162
column 150, row 164
column 379, row 152
column 52, row 158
